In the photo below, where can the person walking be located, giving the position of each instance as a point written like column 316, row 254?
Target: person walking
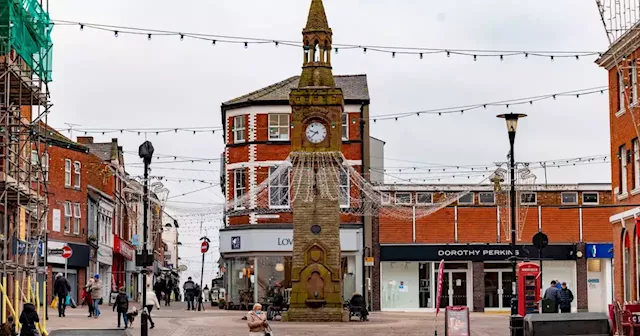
column 8, row 328
column 28, row 319
column 197, row 295
column 566, row 297
column 96, row 294
column 257, row 321
column 152, row 301
column 87, row 297
column 552, row 294
column 205, row 293
column 159, row 287
column 168, row 288
column 61, row 289
column 189, row 291
column 122, row 304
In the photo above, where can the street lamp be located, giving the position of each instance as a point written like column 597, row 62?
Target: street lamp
column 512, row 125
column 146, row 154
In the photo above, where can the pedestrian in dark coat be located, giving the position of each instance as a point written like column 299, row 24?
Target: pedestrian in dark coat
column 61, row 289
column 8, row 328
column 566, row 297
column 28, row 319
column 122, row 304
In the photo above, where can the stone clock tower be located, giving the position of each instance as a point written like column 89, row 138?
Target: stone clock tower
column 316, row 139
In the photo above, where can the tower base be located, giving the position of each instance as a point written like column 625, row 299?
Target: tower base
column 315, row 315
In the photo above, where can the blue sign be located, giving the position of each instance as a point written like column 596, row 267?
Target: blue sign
column 135, row 240
column 20, row 246
column 235, row 243
column 600, row 251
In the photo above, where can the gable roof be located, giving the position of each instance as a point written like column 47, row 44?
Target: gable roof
column 53, row 137
column 103, row 150
column 354, row 88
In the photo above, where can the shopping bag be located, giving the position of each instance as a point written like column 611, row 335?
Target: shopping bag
column 72, row 303
column 54, row 303
column 67, row 300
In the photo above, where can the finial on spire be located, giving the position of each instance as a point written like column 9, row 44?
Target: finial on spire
column 317, row 20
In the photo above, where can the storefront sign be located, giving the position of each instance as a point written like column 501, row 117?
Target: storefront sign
column 122, row 247
column 600, row 251
column 277, row 240
column 20, row 247
column 79, row 257
column 105, row 255
column 457, row 321
column 473, row 252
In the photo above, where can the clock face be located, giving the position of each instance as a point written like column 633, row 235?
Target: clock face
column 316, row 132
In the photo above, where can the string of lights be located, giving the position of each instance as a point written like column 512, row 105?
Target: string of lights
column 455, row 110
column 393, row 51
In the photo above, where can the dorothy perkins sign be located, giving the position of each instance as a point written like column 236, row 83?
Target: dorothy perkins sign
column 417, row 252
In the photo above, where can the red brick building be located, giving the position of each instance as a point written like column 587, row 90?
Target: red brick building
column 472, row 235
column 621, row 63
column 70, row 170
column 257, row 138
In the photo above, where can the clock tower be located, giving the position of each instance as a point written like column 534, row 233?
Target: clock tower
column 316, row 139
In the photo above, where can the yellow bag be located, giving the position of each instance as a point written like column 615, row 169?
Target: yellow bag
column 54, row 303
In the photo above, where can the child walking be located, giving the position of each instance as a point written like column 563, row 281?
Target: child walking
column 122, row 304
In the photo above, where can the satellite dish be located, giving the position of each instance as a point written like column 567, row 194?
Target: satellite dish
column 182, row 268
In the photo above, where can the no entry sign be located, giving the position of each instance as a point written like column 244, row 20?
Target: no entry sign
column 67, row 252
column 204, row 247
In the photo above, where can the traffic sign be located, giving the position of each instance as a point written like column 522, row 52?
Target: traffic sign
column 67, row 252
column 204, row 247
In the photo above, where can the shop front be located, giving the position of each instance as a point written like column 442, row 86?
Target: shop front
column 105, row 262
column 256, row 263
column 76, row 265
column 599, row 276
column 476, row 276
column 122, row 253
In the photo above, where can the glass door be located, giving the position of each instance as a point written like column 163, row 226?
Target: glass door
column 492, row 289
column 458, row 291
column 425, row 286
column 507, row 288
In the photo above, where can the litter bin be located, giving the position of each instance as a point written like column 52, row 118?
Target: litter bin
column 549, row 306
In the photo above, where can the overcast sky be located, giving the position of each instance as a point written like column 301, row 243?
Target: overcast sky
column 128, row 82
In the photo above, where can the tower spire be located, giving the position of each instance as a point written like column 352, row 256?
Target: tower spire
column 317, row 39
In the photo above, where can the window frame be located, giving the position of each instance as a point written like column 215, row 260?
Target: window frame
column 622, row 170
column 77, row 174
column 239, row 130
column 279, row 126
column 279, row 186
column 636, row 164
column 621, row 98
column 591, row 203
column 239, row 175
column 45, row 167
column 633, row 85
column 473, row 199
column 575, row 193
column 77, row 217
column 34, row 164
column 67, row 217
column 423, row 193
column 345, row 126
column 387, row 195
column 67, row 173
column 486, row 203
column 535, row 198
column 345, row 189
column 395, row 196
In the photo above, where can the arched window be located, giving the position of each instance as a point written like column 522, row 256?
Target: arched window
column 627, row 265
column 316, row 52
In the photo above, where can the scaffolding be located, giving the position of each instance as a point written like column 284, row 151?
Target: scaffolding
column 25, row 71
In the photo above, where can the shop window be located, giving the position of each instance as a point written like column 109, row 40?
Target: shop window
column 487, row 198
column 348, row 277
column 424, row 287
column 274, row 278
column 569, row 198
column 241, row 279
column 466, row 199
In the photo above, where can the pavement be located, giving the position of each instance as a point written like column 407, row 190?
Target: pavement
column 176, row 321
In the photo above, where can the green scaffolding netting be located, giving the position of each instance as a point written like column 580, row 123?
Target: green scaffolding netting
column 26, row 28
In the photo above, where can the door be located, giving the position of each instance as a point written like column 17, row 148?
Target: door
column 507, row 288
column 492, row 288
column 458, row 291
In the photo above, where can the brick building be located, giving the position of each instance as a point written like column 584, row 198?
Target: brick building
column 621, row 63
column 472, row 236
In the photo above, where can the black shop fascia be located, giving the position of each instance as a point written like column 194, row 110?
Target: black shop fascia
column 474, row 252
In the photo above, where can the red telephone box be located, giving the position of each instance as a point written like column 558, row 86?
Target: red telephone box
column 528, row 288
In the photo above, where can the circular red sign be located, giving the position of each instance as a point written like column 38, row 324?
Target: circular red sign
column 204, row 247
column 67, row 252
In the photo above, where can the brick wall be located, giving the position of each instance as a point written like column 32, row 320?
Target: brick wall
column 582, row 287
column 478, row 286
column 477, row 225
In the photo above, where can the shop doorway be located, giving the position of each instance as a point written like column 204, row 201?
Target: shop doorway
column 498, row 289
column 454, row 287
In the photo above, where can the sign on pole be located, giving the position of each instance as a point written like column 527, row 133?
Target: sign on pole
column 67, row 252
column 438, row 296
column 204, row 247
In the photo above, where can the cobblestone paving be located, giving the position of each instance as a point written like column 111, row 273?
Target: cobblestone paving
column 175, row 321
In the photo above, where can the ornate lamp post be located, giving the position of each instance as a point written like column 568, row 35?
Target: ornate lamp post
column 512, row 125
column 146, row 154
